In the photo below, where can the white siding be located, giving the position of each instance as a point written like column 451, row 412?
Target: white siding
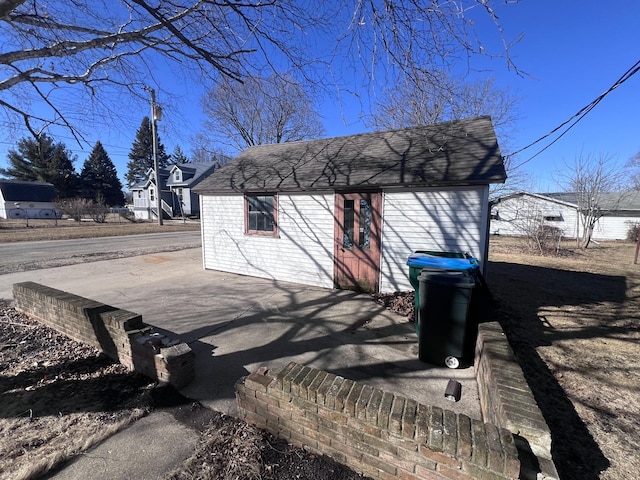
column 302, row 253
column 612, row 227
column 450, row 219
column 518, row 214
column 42, row 210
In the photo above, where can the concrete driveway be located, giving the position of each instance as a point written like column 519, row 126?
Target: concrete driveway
column 236, row 324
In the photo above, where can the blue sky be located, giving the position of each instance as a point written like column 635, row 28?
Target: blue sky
column 572, row 51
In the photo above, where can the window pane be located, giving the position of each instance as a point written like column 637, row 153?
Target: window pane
column 261, row 213
column 349, row 219
column 365, row 224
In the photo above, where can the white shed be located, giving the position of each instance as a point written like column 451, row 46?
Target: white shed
column 346, row 212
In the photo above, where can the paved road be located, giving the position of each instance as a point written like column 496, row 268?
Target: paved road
column 25, row 256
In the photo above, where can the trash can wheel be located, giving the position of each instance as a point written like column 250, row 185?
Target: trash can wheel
column 452, row 362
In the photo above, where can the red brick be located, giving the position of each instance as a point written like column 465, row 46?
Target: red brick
column 453, row 474
column 440, row 458
column 427, row 474
column 313, row 386
column 385, row 410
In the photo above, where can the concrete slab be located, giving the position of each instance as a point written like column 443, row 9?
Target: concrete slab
column 236, row 324
column 148, row 449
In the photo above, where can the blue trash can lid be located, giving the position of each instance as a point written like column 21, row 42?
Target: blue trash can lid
column 424, row 260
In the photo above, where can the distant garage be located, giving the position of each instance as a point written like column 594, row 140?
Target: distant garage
column 19, row 199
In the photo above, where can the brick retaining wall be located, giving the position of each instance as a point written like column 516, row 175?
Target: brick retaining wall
column 120, row 334
column 507, row 401
column 388, row 436
column 380, row 434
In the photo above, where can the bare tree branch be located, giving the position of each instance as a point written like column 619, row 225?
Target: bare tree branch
column 96, row 44
column 599, row 185
column 271, row 109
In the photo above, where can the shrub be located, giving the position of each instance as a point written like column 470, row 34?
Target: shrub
column 544, row 239
column 633, row 231
column 75, row 208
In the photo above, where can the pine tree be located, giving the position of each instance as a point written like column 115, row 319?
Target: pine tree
column 178, row 156
column 41, row 160
column 141, row 154
column 99, row 178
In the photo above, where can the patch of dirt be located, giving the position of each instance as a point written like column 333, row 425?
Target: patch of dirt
column 43, row 419
column 401, row 303
column 230, row 449
column 59, row 397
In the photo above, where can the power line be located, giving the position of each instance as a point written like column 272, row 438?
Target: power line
column 577, row 116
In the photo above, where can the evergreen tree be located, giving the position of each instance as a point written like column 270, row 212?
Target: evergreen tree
column 178, row 156
column 41, row 160
column 141, row 154
column 99, row 178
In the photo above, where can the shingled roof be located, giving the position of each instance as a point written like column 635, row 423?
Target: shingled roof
column 20, row 191
column 462, row 152
column 617, row 201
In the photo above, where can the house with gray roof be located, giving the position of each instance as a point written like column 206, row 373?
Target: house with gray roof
column 347, row 211
column 176, row 191
column 516, row 213
column 19, row 199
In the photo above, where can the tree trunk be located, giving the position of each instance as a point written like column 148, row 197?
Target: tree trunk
column 586, row 236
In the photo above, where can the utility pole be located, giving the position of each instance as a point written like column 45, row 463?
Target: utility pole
column 156, row 115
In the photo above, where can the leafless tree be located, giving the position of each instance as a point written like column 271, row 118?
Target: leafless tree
column 599, row 185
column 423, row 98
column 59, row 58
column 273, row 109
column 633, row 164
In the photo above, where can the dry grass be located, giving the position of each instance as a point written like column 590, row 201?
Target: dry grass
column 17, row 230
column 57, row 397
column 573, row 323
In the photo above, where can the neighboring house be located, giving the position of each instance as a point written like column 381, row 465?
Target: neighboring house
column 517, row 213
column 178, row 198
column 20, row 199
column 348, row 211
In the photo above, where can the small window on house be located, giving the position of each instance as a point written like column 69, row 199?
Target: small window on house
column 176, row 175
column 152, row 196
column 139, row 194
column 261, row 214
column 553, row 218
column 180, row 193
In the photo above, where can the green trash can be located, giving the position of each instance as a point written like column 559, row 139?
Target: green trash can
column 437, row 261
column 443, row 324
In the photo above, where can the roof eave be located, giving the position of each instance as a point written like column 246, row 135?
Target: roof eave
column 416, row 185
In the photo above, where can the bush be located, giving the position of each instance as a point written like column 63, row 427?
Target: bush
column 75, row 208
column 633, row 232
column 544, row 239
column 78, row 208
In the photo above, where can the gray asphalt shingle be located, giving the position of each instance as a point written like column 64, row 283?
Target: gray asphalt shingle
column 462, row 152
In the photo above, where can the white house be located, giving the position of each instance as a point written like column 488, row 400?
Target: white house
column 348, row 211
column 20, row 199
column 176, row 190
column 514, row 214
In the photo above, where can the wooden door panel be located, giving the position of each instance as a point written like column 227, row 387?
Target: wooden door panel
column 357, row 246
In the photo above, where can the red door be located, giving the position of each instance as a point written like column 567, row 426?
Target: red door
column 357, row 247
